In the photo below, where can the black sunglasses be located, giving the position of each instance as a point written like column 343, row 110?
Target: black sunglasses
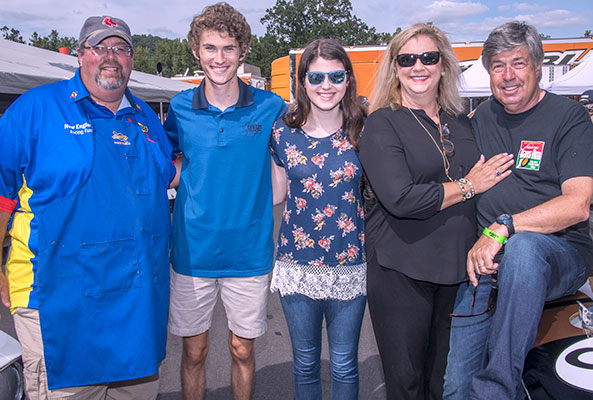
column 448, row 146
column 335, row 77
column 491, row 300
column 427, row 58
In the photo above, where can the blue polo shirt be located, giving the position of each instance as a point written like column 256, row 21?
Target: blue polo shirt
column 222, row 221
column 46, row 147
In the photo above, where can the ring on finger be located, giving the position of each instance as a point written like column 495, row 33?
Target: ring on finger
column 497, row 173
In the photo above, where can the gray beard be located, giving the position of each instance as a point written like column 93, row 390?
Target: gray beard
column 109, row 86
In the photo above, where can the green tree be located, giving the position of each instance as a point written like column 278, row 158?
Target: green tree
column 265, row 49
column 544, row 36
column 53, row 41
column 174, row 55
column 588, row 33
column 147, row 41
column 143, row 61
column 295, row 23
column 298, row 22
column 11, row 34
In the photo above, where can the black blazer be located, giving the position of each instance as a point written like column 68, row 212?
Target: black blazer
column 405, row 230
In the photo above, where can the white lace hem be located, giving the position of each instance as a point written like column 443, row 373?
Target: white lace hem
column 320, row 282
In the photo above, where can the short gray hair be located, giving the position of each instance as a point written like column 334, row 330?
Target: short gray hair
column 507, row 36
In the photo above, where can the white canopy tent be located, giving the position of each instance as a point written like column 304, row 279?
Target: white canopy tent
column 575, row 81
column 475, row 81
column 23, row 67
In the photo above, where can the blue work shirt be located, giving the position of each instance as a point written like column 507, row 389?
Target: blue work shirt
column 45, row 142
column 90, row 236
column 222, row 221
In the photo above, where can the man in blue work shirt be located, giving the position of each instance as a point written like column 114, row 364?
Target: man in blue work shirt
column 222, row 221
column 84, row 168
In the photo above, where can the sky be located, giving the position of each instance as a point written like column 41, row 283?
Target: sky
column 461, row 20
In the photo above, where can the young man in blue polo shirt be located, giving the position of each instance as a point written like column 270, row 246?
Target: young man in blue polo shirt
column 222, row 240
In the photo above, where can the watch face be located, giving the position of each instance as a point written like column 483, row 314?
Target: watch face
column 502, row 219
column 506, row 220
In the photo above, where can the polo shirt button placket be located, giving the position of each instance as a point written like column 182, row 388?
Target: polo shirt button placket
column 221, row 138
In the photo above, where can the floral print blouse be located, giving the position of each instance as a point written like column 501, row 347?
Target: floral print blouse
column 320, row 250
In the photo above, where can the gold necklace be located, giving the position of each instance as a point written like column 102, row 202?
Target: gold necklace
column 446, row 164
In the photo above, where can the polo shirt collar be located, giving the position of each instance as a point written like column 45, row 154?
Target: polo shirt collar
column 199, row 100
column 79, row 92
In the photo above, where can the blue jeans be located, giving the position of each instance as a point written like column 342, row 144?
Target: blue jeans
column 343, row 319
column 487, row 353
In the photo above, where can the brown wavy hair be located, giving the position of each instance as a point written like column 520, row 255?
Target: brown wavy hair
column 220, row 17
column 353, row 110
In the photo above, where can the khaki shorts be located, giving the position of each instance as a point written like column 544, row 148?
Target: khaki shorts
column 26, row 323
column 192, row 303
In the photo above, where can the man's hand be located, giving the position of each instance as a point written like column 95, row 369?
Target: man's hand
column 480, row 259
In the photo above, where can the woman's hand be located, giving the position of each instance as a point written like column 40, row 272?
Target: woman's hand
column 485, row 174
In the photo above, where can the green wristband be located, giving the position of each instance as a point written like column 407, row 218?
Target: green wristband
column 494, row 236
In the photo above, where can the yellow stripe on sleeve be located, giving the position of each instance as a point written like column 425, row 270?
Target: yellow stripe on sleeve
column 19, row 268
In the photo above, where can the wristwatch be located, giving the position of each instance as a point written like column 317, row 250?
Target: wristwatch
column 506, row 220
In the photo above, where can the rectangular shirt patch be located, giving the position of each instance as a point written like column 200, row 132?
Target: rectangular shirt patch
column 530, row 155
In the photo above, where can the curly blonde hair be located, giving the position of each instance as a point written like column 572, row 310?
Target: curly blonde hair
column 388, row 91
column 220, row 17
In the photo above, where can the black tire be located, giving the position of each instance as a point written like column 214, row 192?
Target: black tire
column 12, row 383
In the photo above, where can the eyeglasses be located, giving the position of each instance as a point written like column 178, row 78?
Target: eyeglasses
column 335, row 77
column 427, row 58
column 102, row 51
column 491, row 300
column 448, row 146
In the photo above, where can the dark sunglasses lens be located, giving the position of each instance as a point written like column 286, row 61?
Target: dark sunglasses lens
column 406, row 60
column 337, row 77
column 315, row 78
column 430, row 57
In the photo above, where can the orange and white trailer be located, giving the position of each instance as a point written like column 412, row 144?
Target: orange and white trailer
column 560, row 56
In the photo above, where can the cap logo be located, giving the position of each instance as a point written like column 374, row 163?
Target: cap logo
column 107, row 21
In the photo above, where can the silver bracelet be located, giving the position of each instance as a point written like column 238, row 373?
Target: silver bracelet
column 472, row 192
column 463, row 194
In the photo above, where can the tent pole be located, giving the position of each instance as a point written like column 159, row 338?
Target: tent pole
column 161, row 112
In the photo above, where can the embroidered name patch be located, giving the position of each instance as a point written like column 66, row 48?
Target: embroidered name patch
column 530, row 155
column 78, row 129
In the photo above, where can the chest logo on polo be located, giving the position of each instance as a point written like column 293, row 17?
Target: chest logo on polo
column 530, row 155
column 120, row 138
column 252, row 128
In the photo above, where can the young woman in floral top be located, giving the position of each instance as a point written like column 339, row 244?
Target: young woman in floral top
column 320, row 268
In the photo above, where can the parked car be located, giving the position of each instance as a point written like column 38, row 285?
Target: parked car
column 12, row 384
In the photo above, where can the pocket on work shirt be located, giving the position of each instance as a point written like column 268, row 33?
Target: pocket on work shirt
column 109, row 266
